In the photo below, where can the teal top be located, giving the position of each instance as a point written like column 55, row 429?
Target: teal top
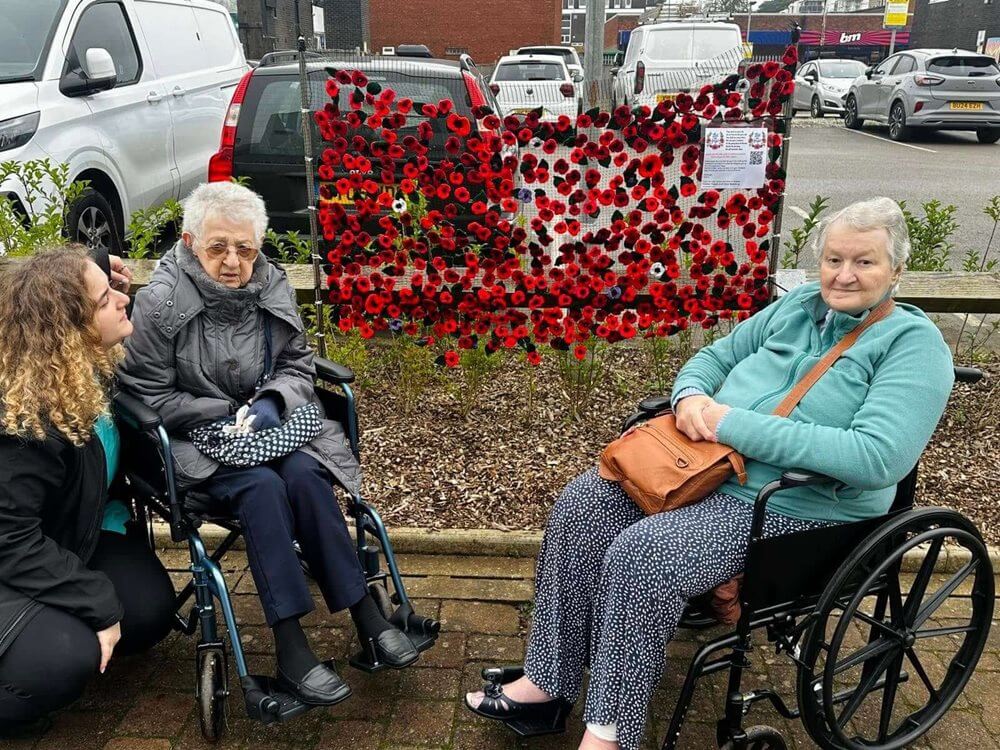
column 115, row 511
column 864, row 423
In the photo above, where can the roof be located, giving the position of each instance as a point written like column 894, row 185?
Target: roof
column 934, row 52
column 389, row 62
column 530, row 58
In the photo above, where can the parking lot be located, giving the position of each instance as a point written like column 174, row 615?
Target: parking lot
column 829, row 160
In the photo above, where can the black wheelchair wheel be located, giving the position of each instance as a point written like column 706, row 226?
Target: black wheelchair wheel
column 881, row 662
column 211, row 694
column 759, row 738
column 381, row 596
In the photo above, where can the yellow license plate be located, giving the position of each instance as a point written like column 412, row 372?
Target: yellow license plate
column 975, row 106
column 347, row 199
column 665, row 97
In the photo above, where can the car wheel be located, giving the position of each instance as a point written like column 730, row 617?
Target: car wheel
column 851, row 119
column 988, row 135
column 91, row 222
column 897, row 123
column 816, row 108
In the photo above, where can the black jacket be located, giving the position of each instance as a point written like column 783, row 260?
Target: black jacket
column 52, row 496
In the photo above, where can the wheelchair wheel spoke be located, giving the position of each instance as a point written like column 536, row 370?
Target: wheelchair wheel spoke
column 889, row 697
column 873, row 649
column 938, row 632
column 863, row 689
column 922, row 673
column 943, row 593
column 919, row 587
column 875, row 623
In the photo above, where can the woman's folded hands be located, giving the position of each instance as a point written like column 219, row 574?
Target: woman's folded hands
column 264, row 413
column 698, row 417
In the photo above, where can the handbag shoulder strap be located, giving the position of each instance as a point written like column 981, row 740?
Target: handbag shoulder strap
column 819, row 369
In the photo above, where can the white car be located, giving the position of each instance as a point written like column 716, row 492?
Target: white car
column 821, row 85
column 523, row 83
column 568, row 54
column 130, row 94
column 664, row 59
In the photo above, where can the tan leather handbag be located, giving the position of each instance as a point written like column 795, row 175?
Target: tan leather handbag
column 662, row 469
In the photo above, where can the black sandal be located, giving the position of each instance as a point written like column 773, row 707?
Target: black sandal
column 525, row 719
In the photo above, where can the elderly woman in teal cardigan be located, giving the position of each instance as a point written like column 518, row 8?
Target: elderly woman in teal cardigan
column 612, row 583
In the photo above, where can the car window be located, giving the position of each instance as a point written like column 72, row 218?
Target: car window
column 806, row 70
column 27, row 27
column 565, row 54
column 530, row 71
column 841, row 69
column 104, row 25
column 181, row 51
column 906, row 64
column 886, row 65
column 219, row 40
column 634, row 45
column 690, row 44
column 269, row 128
column 964, row 66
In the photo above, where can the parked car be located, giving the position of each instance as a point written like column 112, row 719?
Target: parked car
column 934, row 89
column 523, row 83
column 130, row 94
column 664, row 59
column 821, row 85
column 568, row 54
column 262, row 138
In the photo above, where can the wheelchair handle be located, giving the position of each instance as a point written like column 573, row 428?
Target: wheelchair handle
column 968, row 374
column 135, row 413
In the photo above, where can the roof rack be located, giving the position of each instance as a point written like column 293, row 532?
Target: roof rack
column 286, row 56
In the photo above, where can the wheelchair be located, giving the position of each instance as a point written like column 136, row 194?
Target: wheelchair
column 841, row 615
column 151, row 487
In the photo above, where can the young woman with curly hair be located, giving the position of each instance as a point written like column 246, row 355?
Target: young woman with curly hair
column 77, row 582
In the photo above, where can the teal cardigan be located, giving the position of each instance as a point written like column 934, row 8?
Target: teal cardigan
column 864, row 423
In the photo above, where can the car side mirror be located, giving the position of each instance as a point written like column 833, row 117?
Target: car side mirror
column 97, row 74
column 811, row 77
column 619, row 59
column 577, row 76
column 868, row 73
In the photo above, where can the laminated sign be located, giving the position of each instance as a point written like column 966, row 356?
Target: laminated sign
column 734, row 158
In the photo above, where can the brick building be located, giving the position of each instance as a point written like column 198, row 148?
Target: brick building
column 619, row 14
column 485, row 29
column 857, row 36
column 347, row 24
column 268, row 25
column 966, row 24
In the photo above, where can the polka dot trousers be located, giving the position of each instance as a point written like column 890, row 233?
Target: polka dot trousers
column 612, row 585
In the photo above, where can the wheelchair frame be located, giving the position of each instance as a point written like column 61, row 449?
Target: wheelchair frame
column 160, row 495
column 855, row 561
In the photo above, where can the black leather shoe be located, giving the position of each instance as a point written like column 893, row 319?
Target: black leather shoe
column 321, row 686
column 393, row 648
column 526, row 719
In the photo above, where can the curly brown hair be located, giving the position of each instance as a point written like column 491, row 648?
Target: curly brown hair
column 53, row 369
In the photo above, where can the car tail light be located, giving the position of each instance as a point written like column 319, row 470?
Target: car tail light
column 925, row 80
column 567, row 89
column 495, row 88
column 640, row 78
column 220, row 166
column 476, row 97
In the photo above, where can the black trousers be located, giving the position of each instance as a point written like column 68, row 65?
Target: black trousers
column 49, row 664
column 292, row 499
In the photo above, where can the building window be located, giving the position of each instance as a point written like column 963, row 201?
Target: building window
column 456, row 51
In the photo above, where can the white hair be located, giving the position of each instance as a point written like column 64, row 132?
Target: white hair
column 865, row 216
column 228, row 199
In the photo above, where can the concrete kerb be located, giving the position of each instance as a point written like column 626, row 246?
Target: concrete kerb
column 495, row 543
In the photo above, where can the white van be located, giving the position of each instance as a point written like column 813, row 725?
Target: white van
column 131, row 94
column 663, row 59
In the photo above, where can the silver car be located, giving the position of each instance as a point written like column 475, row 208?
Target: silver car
column 937, row 89
column 821, row 85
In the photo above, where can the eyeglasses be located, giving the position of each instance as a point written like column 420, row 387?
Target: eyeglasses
column 218, row 250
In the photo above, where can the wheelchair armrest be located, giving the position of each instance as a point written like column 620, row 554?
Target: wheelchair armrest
column 968, row 375
column 802, row 478
column 654, row 404
column 135, row 413
column 331, row 372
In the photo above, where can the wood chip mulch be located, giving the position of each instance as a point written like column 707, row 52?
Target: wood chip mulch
column 502, row 467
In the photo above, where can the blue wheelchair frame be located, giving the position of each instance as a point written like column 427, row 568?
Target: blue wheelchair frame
column 151, row 482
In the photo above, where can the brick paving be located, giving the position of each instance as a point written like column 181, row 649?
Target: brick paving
column 147, row 702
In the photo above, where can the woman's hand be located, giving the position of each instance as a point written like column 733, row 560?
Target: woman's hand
column 266, row 413
column 121, row 275
column 108, row 638
column 712, row 415
column 691, row 419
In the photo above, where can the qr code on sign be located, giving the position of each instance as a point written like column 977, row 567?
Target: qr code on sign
column 756, row 157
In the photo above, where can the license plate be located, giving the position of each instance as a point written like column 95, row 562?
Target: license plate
column 975, row 106
column 665, row 97
column 345, row 200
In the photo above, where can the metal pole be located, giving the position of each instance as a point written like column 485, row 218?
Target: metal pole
column 305, row 117
column 822, row 33
column 593, row 51
column 892, row 41
column 783, row 125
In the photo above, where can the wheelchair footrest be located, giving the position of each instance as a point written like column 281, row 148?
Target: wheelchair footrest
column 421, row 631
column 267, row 703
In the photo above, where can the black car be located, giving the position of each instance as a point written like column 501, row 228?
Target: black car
column 262, row 138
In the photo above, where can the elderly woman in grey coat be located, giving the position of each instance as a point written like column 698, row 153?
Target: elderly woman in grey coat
column 204, row 325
